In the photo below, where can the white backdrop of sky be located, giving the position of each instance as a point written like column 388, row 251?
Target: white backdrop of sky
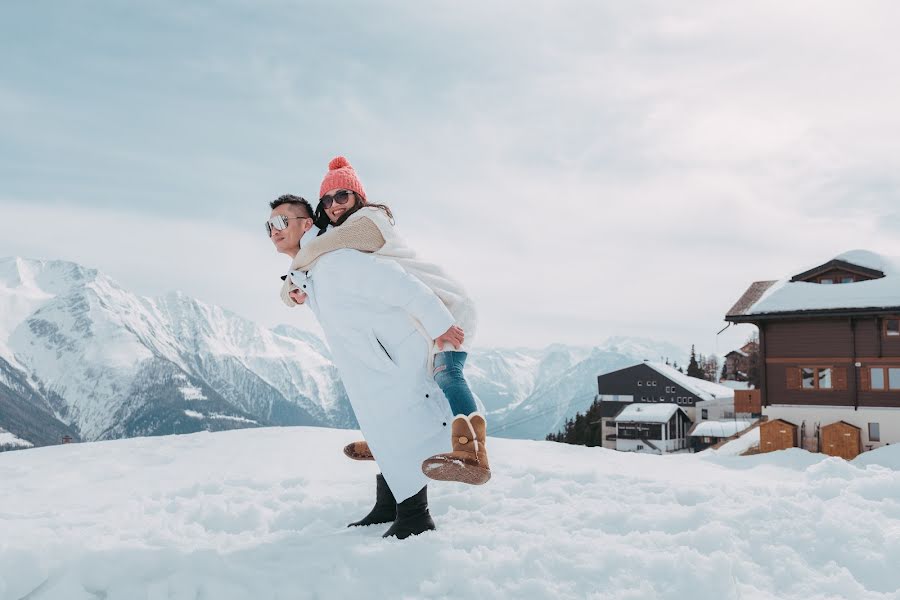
column 587, row 169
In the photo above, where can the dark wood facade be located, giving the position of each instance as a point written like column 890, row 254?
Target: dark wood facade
column 643, row 383
column 838, row 272
column 848, row 348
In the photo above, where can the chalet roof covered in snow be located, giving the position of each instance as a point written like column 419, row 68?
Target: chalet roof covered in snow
column 647, row 413
column 719, row 429
column 791, row 295
column 737, row 385
column 704, row 390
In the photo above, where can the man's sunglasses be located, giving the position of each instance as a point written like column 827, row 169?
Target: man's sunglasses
column 340, row 196
column 279, row 223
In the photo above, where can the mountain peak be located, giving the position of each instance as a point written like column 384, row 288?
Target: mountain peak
column 50, row 276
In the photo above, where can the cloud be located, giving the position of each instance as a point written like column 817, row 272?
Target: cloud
column 587, row 169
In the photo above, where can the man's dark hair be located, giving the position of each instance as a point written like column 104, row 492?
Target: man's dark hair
column 294, row 201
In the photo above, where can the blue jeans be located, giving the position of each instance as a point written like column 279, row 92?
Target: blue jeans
column 448, row 374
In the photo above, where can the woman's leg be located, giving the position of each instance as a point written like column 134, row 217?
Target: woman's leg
column 448, row 374
column 467, row 462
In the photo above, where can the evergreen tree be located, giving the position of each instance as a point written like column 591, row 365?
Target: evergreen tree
column 584, row 429
column 694, row 369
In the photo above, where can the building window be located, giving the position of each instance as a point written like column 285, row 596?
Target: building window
column 815, row 378
column 894, row 378
column 884, row 378
column 876, row 377
column 892, row 327
column 874, row 432
column 704, row 414
column 826, row 281
column 847, row 280
column 639, row 447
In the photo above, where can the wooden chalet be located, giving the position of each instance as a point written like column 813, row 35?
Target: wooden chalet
column 829, row 343
column 658, row 383
column 652, row 428
column 737, row 362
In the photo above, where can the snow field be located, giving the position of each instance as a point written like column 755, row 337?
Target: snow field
column 260, row 514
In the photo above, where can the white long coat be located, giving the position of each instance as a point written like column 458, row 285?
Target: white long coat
column 376, row 318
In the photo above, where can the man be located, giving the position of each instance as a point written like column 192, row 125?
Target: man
column 380, row 323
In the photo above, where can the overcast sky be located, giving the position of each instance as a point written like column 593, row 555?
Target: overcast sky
column 586, row 168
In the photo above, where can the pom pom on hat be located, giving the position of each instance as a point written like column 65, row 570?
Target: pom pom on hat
column 338, row 162
column 342, row 176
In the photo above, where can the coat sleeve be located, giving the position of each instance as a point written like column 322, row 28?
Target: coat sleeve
column 358, row 234
column 383, row 280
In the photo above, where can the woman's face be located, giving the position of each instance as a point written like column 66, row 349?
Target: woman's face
column 335, row 211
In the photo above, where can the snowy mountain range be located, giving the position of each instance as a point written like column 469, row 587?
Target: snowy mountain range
column 81, row 356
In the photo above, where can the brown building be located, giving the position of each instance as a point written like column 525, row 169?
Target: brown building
column 829, row 342
column 738, row 362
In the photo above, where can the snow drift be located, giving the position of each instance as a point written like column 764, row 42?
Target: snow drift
column 260, row 513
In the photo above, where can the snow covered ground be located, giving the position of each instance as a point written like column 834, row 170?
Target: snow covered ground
column 8, row 440
column 260, row 513
column 737, row 446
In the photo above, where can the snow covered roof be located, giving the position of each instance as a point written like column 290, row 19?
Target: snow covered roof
column 790, row 296
column 736, row 385
column 647, row 413
column 720, row 429
column 705, row 390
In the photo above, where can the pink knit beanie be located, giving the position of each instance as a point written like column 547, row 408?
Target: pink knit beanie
column 341, row 176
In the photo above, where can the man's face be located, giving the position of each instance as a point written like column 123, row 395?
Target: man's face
column 287, row 241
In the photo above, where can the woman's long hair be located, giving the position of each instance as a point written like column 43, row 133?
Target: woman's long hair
column 322, row 221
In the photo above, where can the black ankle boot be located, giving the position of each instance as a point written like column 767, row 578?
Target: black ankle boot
column 385, row 509
column 413, row 517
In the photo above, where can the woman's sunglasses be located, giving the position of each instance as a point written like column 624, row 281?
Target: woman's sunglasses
column 279, row 223
column 340, row 196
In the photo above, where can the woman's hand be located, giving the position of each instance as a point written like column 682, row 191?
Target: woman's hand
column 454, row 336
column 298, row 296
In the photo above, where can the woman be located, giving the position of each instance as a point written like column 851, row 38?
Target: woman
column 347, row 220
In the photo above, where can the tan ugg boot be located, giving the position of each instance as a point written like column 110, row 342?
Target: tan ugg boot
column 468, row 462
column 358, row 451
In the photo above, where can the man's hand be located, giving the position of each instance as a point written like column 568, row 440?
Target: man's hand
column 454, row 336
column 298, row 296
